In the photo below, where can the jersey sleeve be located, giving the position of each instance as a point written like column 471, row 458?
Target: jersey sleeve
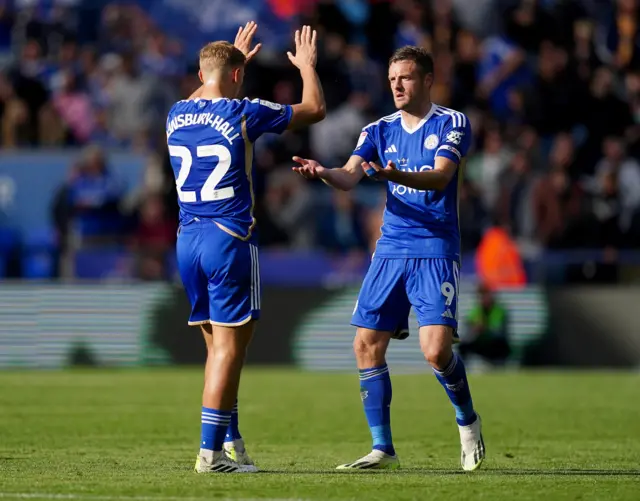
column 366, row 146
column 264, row 117
column 456, row 138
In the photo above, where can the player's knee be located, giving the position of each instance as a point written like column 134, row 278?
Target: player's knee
column 228, row 355
column 435, row 342
column 360, row 346
column 437, row 357
column 436, row 353
column 369, row 348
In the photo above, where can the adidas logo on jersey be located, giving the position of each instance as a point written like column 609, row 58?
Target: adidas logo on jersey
column 391, row 149
column 447, row 314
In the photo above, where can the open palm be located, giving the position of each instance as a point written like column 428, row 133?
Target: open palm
column 244, row 40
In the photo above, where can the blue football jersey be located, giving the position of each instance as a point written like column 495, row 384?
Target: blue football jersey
column 211, row 147
column 419, row 223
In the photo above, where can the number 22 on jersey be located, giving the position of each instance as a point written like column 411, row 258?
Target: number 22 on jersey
column 208, row 192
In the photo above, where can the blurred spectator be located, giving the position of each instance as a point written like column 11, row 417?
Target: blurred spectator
column 160, row 58
column 473, row 216
column 501, row 68
column 632, row 88
column 15, row 116
column 74, row 108
column 624, row 171
column 334, row 138
column 6, row 28
column 87, row 207
column 498, row 260
column 554, row 99
column 486, row 332
column 584, row 49
column 464, row 78
column 290, row 208
column 129, row 95
column 153, row 238
column 619, row 35
column 557, row 202
column 485, row 168
column 604, row 113
column 27, row 78
column 341, row 225
column 607, row 209
column 365, row 76
column 411, row 30
column 527, row 24
column 513, row 209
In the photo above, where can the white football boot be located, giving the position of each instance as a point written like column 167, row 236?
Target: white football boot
column 375, row 460
column 237, row 452
column 472, row 445
column 219, row 463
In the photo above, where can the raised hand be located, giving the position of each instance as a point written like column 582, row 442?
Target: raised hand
column 309, row 169
column 375, row 171
column 244, row 39
column 306, row 48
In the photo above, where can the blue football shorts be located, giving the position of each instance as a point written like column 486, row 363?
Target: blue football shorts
column 220, row 274
column 392, row 286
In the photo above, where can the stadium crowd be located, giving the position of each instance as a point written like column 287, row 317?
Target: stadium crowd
column 552, row 88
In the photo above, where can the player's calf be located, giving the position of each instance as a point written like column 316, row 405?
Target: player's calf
column 370, row 347
column 436, row 342
column 225, row 359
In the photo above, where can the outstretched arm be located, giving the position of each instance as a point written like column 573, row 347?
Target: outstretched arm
column 343, row 178
column 312, row 109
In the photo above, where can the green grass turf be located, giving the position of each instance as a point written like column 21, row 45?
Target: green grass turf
column 114, row 435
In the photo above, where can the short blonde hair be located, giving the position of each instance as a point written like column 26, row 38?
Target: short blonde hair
column 220, row 55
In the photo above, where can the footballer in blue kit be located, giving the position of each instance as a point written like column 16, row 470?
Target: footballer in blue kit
column 210, row 139
column 419, row 152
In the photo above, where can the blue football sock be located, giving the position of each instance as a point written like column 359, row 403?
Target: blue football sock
column 375, row 391
column 214, row 427
column 233, row 432
column 453, row 379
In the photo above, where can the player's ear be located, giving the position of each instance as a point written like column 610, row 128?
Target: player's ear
column 200, row 76
column 428, row 80
column 236, row 75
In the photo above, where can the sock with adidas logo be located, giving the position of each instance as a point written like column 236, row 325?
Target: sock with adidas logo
column 375, row 392
column 453, row 379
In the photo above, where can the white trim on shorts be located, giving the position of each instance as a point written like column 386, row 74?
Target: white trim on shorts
column 255, row 278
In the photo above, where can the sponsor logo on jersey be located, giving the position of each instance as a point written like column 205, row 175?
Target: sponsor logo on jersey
column 455, row 137
column 431, row 142
column 361, row 139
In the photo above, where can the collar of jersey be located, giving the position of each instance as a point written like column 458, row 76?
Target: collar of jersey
column 422, row 122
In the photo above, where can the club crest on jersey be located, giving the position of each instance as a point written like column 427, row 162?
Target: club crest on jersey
column 361, row 139
column 431, row 142
column 455, row 136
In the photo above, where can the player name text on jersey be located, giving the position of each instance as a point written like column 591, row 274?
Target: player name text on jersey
column 211, row 119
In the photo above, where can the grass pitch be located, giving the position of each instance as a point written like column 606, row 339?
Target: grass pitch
column 133, row 435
